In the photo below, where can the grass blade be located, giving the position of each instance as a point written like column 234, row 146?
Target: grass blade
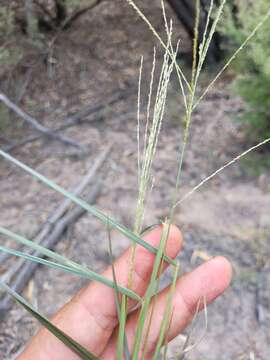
column 168, row 313
column 67, row 340
column 46, row 252
column 151, row 290
column 76, row 270
column 89, row 208
column 122, row 339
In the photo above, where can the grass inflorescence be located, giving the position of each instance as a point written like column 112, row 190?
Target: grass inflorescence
column 147, row 146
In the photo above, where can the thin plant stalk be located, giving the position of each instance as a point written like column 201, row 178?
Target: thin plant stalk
column 195, row 40
column 150, row 150
column 180, row 80
column 204, row 37
column 190, row 108
column 149, row 294
column 138, row 118
column 214, row 174
column 164, row 357
column 187, row 348
column 122, row 344
column 155, row 33
column 232, row 58
column 168, row 313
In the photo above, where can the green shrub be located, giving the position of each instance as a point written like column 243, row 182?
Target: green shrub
column 252, row 66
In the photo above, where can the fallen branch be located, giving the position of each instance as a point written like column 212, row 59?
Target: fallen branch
column 73, row 17
column 35, row 124
column 76, row 119
column 51, row 231
column 61, row 23
column 60, row 211
column 26, row 271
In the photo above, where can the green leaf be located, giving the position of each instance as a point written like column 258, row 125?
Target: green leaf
column 122, row 339
column 151, row 290
column 68, row 267
column 165, row 325
column 47, row 252
column 91, row 209
column 67, row 340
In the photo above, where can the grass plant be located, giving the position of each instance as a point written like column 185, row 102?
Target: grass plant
column 146, row 154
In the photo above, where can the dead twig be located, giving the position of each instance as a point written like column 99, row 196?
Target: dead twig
column 76, row 119
column 66, row 24
column 73, row 17
column 35, row 124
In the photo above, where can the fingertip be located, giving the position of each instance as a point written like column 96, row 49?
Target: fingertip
column 223, row 268
column 208, row 281
column 217, row 275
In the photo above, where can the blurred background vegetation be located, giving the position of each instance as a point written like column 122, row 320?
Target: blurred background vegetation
column 29, row 28
column 252, row 67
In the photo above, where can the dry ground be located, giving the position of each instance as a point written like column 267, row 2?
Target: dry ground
column 229, row 216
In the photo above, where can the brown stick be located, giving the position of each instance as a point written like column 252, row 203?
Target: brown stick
column 67, row 24
column 35, row 124
column 75, row 119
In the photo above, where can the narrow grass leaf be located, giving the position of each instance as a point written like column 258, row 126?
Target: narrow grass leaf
column 31, row 244
column 167, row 315
column 122, row 344
column 151, row 290
column 67, row 340
column 91, row 209
column 76, row 270
column 122, row 341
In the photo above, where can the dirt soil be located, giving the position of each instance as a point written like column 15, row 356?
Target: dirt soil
column 229, row 216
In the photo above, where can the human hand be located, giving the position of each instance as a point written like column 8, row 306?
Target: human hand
column 91, row 318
